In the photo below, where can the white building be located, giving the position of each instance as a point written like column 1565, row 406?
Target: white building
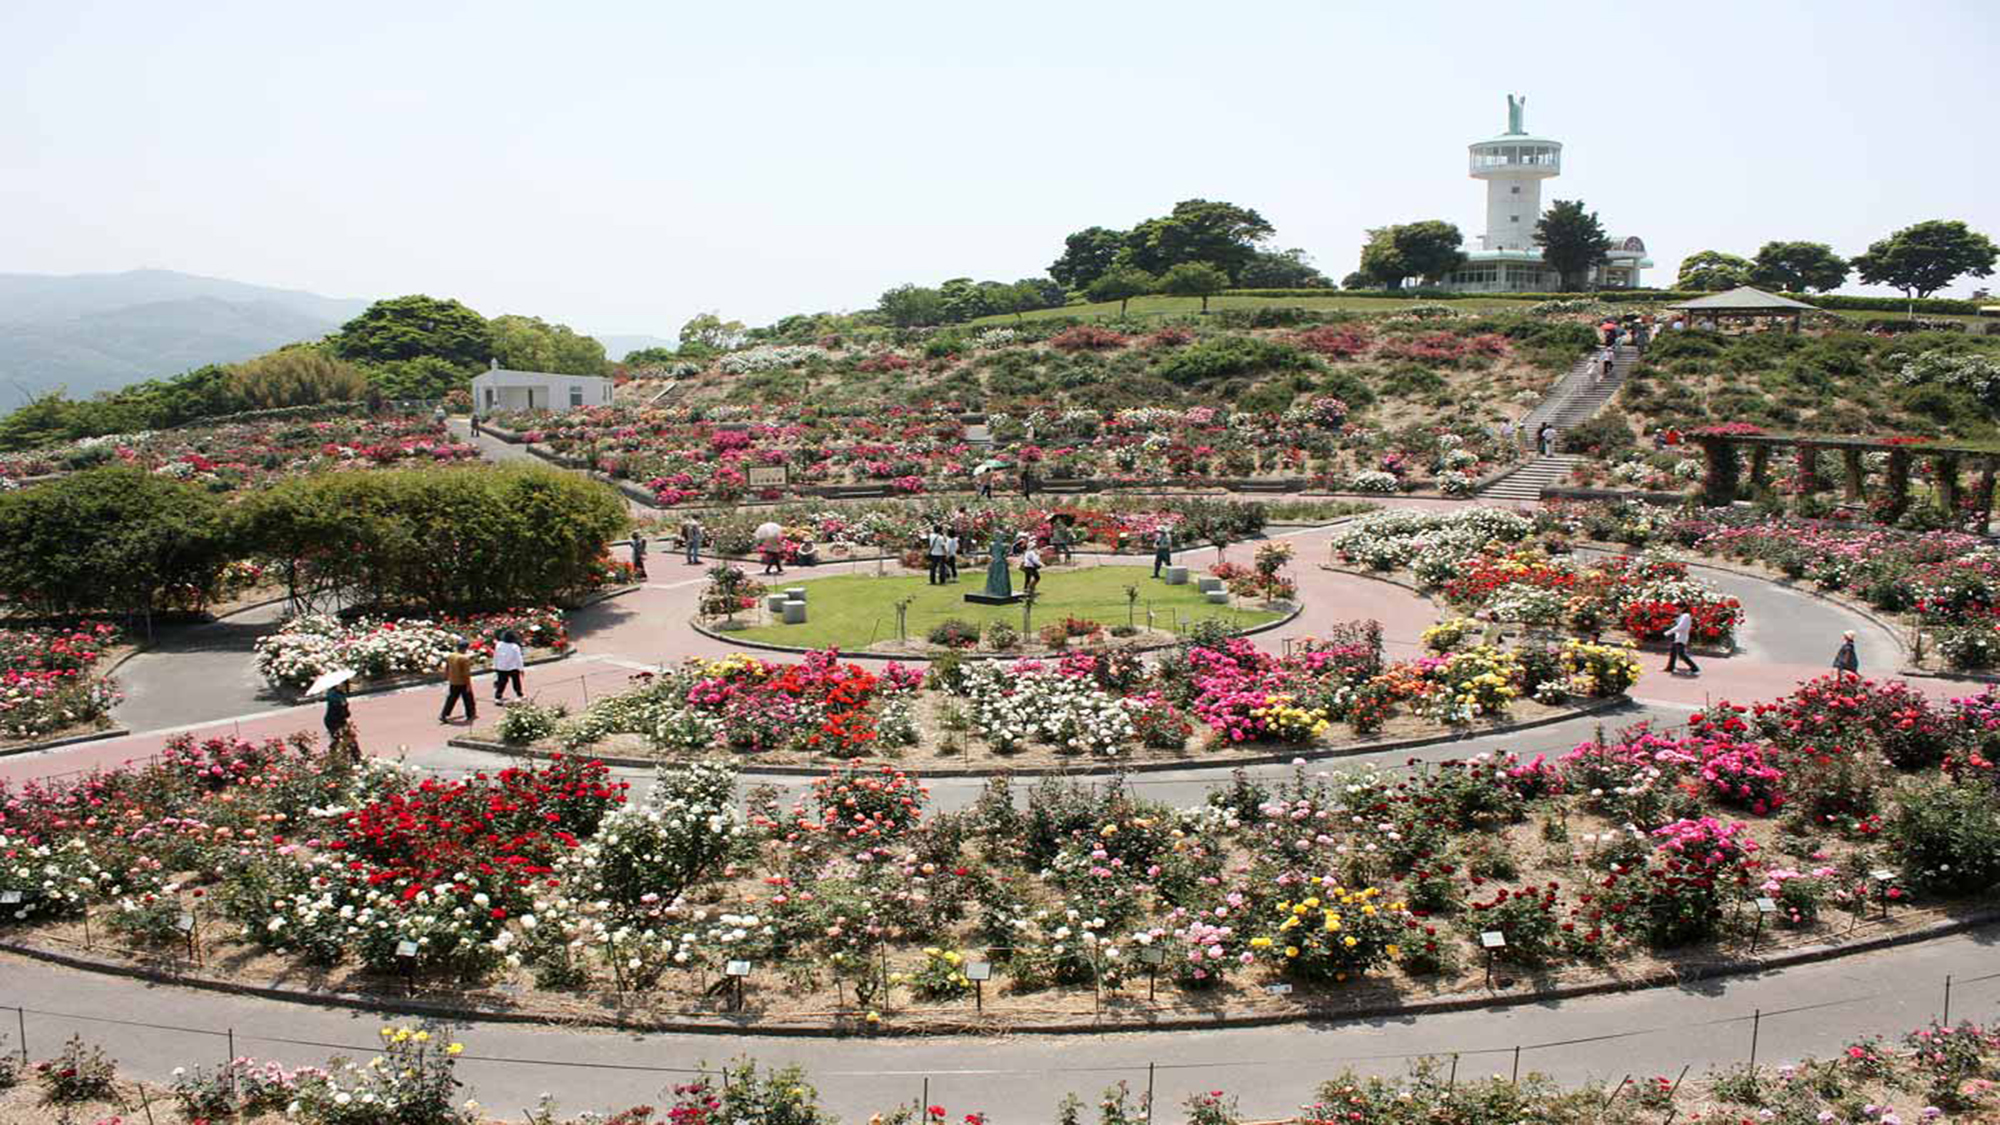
column 499, row 390
column 1514, row 164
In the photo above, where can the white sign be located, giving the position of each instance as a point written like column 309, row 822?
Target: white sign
column 765, row 476
column 1766, row 906
column 1278, row 989
column 979, row 970
column 737, row 969
column 406, row 948
column 1493, row 939
column 185, row 924
column 1153, row 955
column 9, row 898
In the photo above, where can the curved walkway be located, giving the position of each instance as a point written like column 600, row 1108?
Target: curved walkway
column 1809, row 1009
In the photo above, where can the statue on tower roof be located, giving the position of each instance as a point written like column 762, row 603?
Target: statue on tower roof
column 1514, row 108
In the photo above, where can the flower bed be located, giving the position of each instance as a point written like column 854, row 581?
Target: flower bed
column 375, row 648
column 1090, row 702
column 545, row 881
column 45, row 683
column 247, row 454
column 1482, row 562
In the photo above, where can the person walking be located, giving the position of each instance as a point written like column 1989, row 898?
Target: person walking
column 1846, row 661
column 951, row 547
column 338, row 721
column 508, row 660
column 691, row 540
column 1031, row 569
column 934, row 552
column 1163, row 548
column 986, row 486
column 1060, row 539
column 639, row 554
column 1677, row 640
column 458, row 681
column 774, row 554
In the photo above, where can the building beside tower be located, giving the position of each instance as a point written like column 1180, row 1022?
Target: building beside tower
column 1514, row 164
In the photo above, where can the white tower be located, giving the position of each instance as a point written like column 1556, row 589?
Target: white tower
column 1514, row 165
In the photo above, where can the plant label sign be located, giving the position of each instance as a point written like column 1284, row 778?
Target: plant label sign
column 765, row 476
column 1153, row 955
column 1767, row 906
column 1278, row 989
column 185, row 923
column 979, row 970
column 737, row 969
column 1492, row 939
column 406, row 948
column 9, row 898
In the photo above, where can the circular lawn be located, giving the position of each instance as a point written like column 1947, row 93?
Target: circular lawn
column 855, row 611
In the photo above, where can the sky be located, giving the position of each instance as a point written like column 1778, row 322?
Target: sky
column 622, row 165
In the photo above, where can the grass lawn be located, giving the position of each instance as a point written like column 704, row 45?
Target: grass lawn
column 853, row 611
column 1157, row 307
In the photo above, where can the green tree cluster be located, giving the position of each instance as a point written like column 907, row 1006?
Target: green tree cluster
column 1922, row 259
column 460, row 539
column 1713, row 271
column 1428, row 250
column 961, row 299
column 1224, row 235
column 1572, row 241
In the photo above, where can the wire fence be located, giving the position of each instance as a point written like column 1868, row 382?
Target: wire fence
column 1730, row 1040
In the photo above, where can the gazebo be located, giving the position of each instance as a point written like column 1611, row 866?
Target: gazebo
column 1741, row 303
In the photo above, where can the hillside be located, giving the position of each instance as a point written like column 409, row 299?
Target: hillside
column 99, row 332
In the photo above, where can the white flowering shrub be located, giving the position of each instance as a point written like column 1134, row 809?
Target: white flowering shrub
column 644, row 856
column 52, row 881
column 1428, row 542
column 410, row 1083
column 1454, row 483
column 1373, row 480
column 1014, row 704
column 771, row 357
column 314, row 643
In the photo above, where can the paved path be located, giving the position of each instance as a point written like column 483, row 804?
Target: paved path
column 1811, row 1009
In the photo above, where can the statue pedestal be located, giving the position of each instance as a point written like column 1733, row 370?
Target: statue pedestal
column 995, row 599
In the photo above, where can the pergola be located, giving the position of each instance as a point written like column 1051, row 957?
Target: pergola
column 1742, row 303
column 1948, row 464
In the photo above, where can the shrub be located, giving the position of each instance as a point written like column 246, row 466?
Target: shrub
column 1946, row 837
column 526, row 723
column 1223, row 356
column 1002, row 637
column 954, row 632
column 78, row 1073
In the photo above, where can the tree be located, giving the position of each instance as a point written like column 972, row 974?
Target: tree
column 651, row 357
column 299, row 375
column 1922, row 259
column 1027, row 295
column 415, row 327
column 426, row 377
column 1713, row 270
column 1047, row 294
column 1572, row 241
column 1798, row 267
column 529, row 343
column 1281, row 269
column 1194, row 279
column 1428, row 250
column 1121, row 284
column 710, row 333
column 1359, row 279
column 117, row 538
column 964, row 299
column 1197, row 230
column 1086, row 255
column 911, row 306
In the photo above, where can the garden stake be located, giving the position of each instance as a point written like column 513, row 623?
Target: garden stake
column 146, row 1103
column 21, row 1014
column 1515, row 1078
column 231, row 1068
column 1946, row 1021
column 1606, row 1107
column 923, row 1107
column 1452, row 1081
column 1756, row 1024
column 1149, row 1094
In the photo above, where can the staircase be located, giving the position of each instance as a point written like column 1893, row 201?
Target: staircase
column 1576, row 397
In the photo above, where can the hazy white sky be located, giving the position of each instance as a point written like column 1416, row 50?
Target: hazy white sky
column 623, row 165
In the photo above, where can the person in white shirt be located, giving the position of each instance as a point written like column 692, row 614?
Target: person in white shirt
column 1677, row 638
column 507, row 664
column 951, row 547
column 1031, row 569
column 934, row 551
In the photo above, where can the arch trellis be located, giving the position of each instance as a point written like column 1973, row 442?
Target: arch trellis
column 1724, row 453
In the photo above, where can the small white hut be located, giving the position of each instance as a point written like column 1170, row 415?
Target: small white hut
column 499, row 390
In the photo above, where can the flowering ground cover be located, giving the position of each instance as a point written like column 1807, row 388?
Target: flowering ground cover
column 311, row 644
column 1514, row 569
column 858, row 902
column 46, row 685
column 1945, row 584
column 243, row 455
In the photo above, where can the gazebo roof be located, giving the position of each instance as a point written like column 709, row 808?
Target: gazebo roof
column 1745, row 299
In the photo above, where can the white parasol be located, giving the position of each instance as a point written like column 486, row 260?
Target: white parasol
column 330, row 679
column 767, row 531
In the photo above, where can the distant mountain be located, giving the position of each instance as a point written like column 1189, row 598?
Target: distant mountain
column 99, row 332
column 617, row 347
